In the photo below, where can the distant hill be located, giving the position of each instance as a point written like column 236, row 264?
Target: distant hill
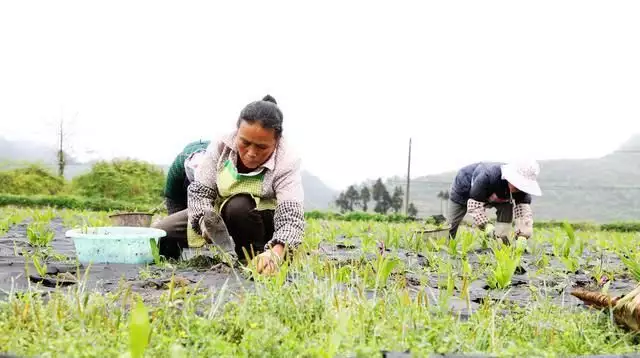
column 599, row 189
column 318, row 196
column 28, row 152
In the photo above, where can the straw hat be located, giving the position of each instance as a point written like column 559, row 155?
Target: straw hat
column 523, row 175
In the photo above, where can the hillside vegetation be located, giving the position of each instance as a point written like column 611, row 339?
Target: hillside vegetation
column 31, row 180
column 123, row 180
column 22, row 154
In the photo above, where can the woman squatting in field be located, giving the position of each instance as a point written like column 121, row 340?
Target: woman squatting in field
column 507, row 187
column 246, row 193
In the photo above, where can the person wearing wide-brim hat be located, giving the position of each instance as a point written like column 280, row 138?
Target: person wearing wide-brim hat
column 507, row 187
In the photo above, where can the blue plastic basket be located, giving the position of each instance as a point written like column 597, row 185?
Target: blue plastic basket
column 115, row 244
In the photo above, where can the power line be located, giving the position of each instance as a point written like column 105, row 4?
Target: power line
column 406, row 197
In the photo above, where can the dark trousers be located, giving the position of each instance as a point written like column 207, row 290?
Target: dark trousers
column 457, row 212
column 173, row 206
column 250, row 229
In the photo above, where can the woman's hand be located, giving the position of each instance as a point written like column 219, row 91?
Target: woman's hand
column 268, row 261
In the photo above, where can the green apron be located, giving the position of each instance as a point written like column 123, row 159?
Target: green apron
column 229, row 183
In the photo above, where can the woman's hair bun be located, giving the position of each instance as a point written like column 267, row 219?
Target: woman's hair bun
column 269, row 98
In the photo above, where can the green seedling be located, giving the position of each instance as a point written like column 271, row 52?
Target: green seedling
column 436, row 244
column 507, row 260
column 568, row 249
column 139, row 330
column 369, row 244
column 39, row 234
column 384, row 267
column 632, row 262
column 571, row 263
column 321, row 307
column 393, row 238
column 41, row 268
column 344, row 274
column 446, row 283
column 467, row 244
column 535, row 249
column 452, row 247
column 45, row 215
column 155, row 251
column 466, row 279
column 4, row 226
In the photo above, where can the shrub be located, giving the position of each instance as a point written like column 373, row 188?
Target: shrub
column 358, row 216
column 70, row 202
column 122, row 179
column 631, row 226
column 31, row 180
column 552, row 224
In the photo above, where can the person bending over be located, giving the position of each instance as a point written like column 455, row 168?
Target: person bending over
column 506, row 187
column 247, row 193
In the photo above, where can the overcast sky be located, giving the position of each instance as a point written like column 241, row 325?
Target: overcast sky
column 466, row 80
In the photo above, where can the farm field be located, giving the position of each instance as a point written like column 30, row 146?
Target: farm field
column 354, row 289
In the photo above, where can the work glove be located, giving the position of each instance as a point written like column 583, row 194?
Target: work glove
column 488, row 229
column 215, row 232
column 267, row 262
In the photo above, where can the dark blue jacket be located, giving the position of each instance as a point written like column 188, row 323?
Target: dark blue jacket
column 479, row 181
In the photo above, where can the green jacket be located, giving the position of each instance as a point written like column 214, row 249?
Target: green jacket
column 176, row 185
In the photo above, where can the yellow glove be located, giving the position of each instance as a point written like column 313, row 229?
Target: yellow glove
column 267, row 262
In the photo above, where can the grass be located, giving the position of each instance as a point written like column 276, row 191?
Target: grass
column 317, row 307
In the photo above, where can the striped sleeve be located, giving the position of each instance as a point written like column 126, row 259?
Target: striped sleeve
column 203, row 191
column 288, row 219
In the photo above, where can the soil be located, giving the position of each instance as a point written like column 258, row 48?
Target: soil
column 526, row 284
column 18, row 274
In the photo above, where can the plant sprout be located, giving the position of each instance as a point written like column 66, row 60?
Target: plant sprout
column 507, row 260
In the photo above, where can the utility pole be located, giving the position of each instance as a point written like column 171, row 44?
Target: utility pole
column 61, row 161
column 406, row 197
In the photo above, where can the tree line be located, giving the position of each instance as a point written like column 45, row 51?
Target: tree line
column 359, row 198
